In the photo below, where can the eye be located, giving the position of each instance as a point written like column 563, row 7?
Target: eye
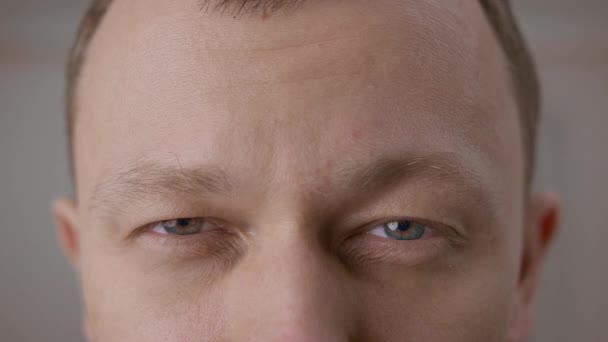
column 400, row 230
column 183, row 226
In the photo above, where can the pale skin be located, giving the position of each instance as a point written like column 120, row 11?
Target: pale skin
column 291, row 138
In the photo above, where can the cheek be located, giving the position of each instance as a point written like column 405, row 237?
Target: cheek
column 123, row 303
column 448, row 303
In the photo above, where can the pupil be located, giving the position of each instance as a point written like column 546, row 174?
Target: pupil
column 403, row 226
column 183, row 222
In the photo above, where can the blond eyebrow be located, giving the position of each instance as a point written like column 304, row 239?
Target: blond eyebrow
column 432, row 168
column 390, row 169
column 152, row 178
column 238, row 7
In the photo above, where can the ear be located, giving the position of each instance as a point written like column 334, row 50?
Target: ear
column 65, row 214
column 542, row 215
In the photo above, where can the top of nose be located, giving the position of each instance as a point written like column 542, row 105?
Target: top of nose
column 289, row 290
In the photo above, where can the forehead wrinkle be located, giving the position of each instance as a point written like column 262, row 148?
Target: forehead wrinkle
column 151, row 178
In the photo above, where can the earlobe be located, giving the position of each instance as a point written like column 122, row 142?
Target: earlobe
column 549, row 220
column 541, row 226
column 65, row 214
column 542, row 221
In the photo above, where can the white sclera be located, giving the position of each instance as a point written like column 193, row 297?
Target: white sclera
column 170, row 224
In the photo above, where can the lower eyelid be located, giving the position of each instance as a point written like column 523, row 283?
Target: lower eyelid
column 217, row 250
column 211, row 242
column 368, row 250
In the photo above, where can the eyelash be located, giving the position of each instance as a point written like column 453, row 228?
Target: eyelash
column 396, row 229
column 217, row 241
column 179, row 226
column 361, row 247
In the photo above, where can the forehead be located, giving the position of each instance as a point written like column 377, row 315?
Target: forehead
column 328, row 83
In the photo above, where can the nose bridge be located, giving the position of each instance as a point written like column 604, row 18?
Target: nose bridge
column 288, row 289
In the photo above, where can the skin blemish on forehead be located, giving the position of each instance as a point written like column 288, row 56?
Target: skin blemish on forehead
column 357, row 134
column 265, row 15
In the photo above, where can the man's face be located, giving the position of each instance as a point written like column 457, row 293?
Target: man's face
column 344, row 171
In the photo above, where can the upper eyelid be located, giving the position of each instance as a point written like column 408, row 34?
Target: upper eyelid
column 411, row 221
column 203, row 219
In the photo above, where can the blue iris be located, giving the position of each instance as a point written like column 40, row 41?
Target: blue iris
column 404, row 230
column 183, row 226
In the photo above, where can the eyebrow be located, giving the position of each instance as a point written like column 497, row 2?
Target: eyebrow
column 152, row 178
column 238, row 7
column 444, row 168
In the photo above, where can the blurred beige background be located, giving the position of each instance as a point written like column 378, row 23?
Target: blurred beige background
column 38, row 292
